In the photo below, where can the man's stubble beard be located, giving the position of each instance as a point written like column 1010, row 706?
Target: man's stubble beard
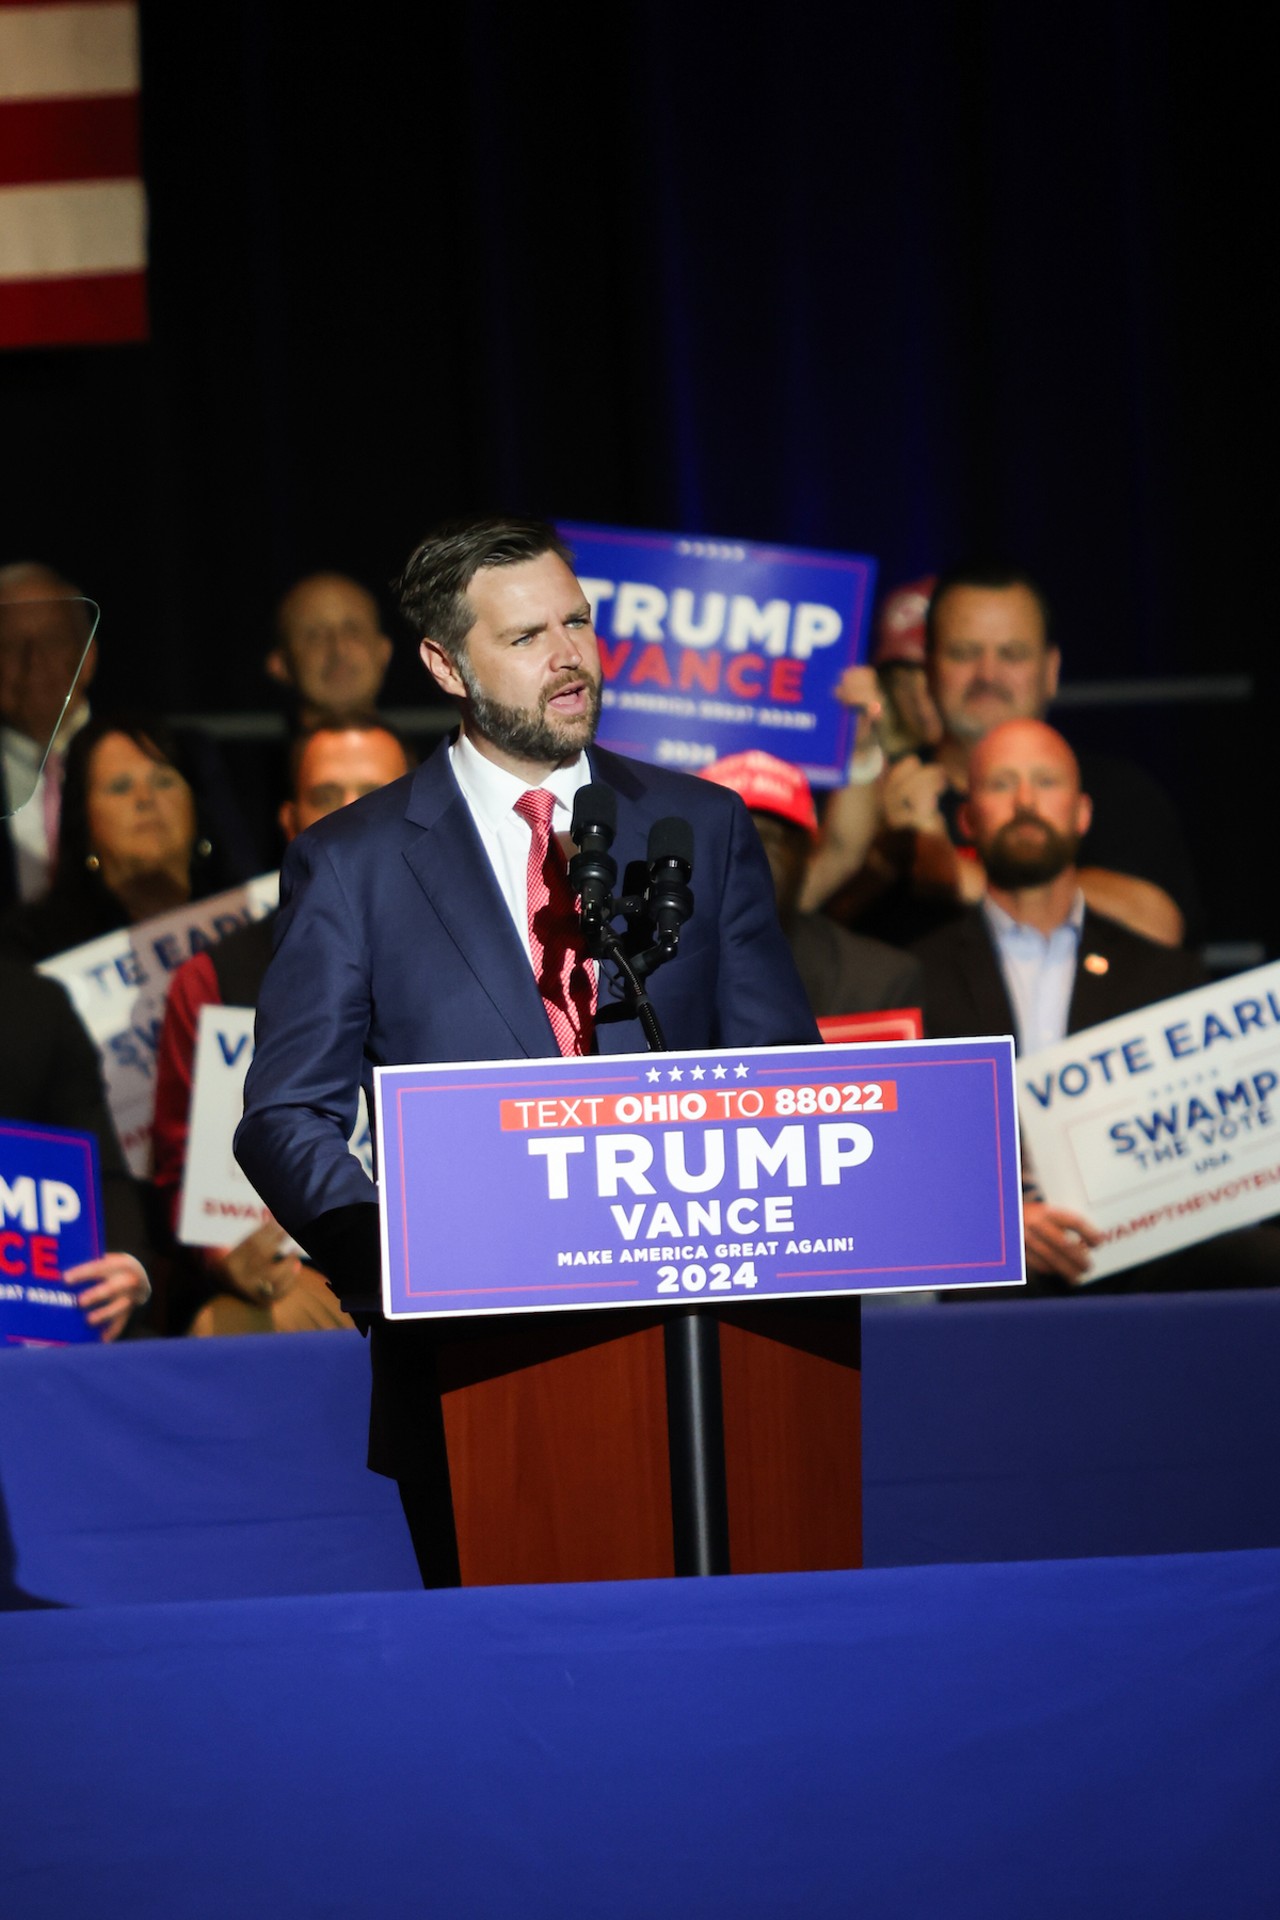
column 526, row 734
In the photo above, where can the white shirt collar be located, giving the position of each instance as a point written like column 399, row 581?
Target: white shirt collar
column 22, row 751
column 1003, row 923
column 491, row 792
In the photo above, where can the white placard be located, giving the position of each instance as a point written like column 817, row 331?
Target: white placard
column 219, row 1207
column 118, row 985
column 1162, row 1127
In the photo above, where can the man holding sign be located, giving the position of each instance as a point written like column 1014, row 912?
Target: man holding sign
column 432, row 922
column 1034, row 960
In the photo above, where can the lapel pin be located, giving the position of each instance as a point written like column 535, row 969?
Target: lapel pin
column 1096, row 963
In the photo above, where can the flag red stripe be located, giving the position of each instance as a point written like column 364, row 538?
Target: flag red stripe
column 58, row 140
column 91, row 309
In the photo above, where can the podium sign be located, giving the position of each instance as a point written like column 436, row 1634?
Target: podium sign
column 50, row 1219
column 652, row 1179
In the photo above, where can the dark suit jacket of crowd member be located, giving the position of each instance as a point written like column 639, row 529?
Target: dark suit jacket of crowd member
column 846, row 972
column 49, row 1074
column 965, row 993
column 394, row 945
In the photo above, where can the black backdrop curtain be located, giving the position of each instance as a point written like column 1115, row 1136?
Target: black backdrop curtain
column 908, row 280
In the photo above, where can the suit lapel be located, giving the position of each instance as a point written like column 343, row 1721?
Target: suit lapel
column 1094, row 996
column 980, row 970
column 449, row 863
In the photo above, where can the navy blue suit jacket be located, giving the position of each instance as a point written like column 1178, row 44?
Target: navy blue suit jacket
column 394, row 946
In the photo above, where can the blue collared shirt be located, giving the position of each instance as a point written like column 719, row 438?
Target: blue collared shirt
column 1039, row 972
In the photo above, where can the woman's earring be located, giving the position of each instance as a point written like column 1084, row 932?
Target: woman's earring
column 92, row 862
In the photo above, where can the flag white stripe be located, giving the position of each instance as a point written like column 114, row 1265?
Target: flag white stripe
column 47, row 232
column 50, row 53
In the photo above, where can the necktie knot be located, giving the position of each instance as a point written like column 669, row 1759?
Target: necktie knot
column 536, row 806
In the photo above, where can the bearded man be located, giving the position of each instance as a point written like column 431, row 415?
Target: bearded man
column 1032, row 959
column 432, row 922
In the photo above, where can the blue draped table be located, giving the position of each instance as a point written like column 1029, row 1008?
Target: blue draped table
column 1051, row 1740
column 233, row 1469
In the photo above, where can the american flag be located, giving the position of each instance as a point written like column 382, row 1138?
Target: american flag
column 73, row 218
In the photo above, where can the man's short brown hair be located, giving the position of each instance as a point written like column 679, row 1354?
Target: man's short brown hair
column 432, row 590
column 988, row 577
column 350, row 720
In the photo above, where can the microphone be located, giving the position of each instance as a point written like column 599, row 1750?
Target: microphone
column 592, row 873
column 670, row 856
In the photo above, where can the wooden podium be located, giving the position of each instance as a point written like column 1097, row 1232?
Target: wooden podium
column 564, row 1444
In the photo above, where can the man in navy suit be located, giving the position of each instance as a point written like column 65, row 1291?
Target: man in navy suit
column 427, row 922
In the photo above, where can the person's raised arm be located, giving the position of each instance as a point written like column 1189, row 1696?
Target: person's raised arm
column 1140, row 905
column 852, row 816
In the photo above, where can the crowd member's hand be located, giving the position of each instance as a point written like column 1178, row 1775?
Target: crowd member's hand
column 113, row 1287
column 257, row 1268
column 911, row 795
column 1057, row 1240
column 859, row 689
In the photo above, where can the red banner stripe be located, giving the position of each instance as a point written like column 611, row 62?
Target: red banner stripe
column 89, row 310
column 56, row 140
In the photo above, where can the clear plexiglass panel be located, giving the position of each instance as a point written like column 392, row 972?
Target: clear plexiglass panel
column 44, row 643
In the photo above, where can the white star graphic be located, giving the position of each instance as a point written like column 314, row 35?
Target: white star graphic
column 696, row 1073
column 677, row 1073
column 739, row 1072
column 653, row 1074
column 718, row 1073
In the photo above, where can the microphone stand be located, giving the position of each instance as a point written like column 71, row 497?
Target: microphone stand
column 691, row 1335
column 611, row 948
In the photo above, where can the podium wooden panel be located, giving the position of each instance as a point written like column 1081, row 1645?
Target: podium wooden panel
column 557, row 1436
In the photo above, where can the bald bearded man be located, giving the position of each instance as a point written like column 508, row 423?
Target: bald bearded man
column 1033, row 959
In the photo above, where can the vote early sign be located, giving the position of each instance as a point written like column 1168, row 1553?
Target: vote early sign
column 118, row 984
column 1162, row 1127
column 50, row 1220
column 711, row 647
column 632, row 1180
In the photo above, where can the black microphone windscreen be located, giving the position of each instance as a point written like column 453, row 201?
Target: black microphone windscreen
column 671, row 839
column 595, row 807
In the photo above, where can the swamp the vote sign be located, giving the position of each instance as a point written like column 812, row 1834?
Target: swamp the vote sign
column 1162, row 1127
column 631, row 1180
column 50, row 1219
column 711, row 647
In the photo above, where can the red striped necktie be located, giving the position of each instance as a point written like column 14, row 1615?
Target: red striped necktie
column 565, row 979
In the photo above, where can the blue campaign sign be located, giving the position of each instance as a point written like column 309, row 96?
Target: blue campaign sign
column 50, row 1219
column 713, row 647
column 638, row 1179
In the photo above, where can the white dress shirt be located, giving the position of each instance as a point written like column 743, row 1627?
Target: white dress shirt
column 491, row 794
column 1039, row 972
column 28, row 828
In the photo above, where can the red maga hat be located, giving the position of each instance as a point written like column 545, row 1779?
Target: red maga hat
column 900, row 638
column 767, row 786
